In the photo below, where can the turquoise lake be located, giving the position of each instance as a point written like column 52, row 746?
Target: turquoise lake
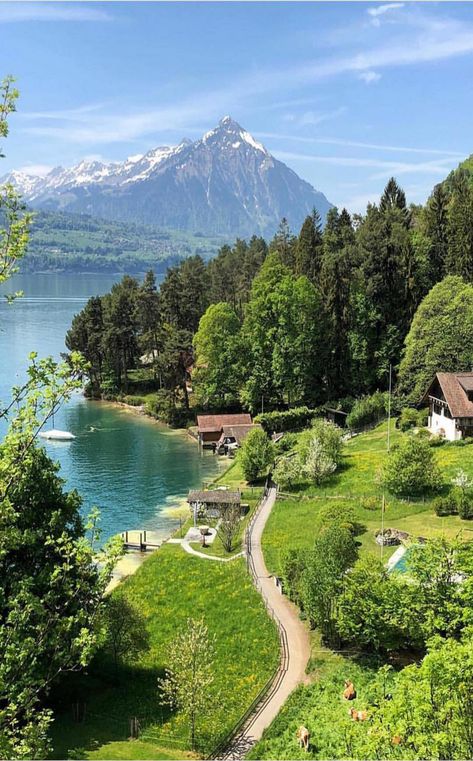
column 129, row 466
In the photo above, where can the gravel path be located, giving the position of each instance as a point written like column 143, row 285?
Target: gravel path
column 295, row 645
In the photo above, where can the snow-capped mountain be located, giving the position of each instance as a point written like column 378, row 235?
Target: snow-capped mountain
column 226, row 183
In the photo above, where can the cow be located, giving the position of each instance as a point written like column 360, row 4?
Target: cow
column 396, row 740
column 349, row 693
column 357, row 715
column 303, row 736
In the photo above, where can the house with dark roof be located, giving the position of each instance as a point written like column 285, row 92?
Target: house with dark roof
column 450, row 401
column 210, row 427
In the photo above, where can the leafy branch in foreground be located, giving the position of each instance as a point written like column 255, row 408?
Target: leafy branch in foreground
column 13, row 214
column 52, row 579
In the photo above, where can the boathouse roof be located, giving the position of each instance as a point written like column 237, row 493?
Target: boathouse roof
column 215, row 423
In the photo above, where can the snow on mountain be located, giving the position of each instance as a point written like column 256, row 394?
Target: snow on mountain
column 225, row 182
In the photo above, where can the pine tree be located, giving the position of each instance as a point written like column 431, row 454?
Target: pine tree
column 339, row 257
column 308, row 253
column 284, row 244
column 436, row 217
column 459, row 259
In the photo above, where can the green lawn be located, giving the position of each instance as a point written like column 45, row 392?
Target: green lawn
column 321, row 708
column 293, row 521
column 170, row 587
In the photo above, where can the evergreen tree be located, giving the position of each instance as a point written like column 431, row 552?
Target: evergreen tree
column 149, row 319
column 436, row 218
column 120, row 329
column 284, row 244
column 338, row 262
column 459, row 260
column 86, row 336
column 308, row 253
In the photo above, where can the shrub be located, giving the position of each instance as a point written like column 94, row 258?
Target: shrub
column 412, row 418
column 445, row 505
column 163, row 407
column 370, row 503
column 318, row 464
column 465, row 507
column 411, row 468
column 368, row 410
column 288, row 471
column 294, row 419
column 293, row 563
column 330, row 437
column 286, row 443
column 256, row 454
column 134, row 401
column 436, row 440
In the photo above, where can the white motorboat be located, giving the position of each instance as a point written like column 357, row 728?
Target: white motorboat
column 55, row 435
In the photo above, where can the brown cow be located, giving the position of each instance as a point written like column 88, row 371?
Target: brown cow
column 396, row 740
column 349, row 693
column 303, row 736
column 357, row 715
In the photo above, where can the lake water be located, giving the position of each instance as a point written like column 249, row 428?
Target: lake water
column 128, row 466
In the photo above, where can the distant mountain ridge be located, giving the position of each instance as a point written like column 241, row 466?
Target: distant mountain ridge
column 225, row 183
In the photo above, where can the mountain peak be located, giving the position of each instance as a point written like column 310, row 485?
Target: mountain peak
column 229, row 124
column 224, row 183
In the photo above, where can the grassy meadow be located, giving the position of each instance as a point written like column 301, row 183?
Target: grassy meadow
column 168, row 588
column 293, row 523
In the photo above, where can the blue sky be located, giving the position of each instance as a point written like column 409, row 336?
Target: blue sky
column 347, row 94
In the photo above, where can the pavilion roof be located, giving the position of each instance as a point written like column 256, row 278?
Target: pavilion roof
column 214, row 497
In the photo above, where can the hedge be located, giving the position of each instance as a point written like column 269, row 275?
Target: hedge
column 286, row 420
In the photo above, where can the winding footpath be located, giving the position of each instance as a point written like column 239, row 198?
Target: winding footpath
column 294, row 640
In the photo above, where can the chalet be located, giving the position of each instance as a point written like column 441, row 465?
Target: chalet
column 210, row 427
column 450, row 400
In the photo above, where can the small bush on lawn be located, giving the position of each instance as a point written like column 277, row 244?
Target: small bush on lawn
column 411, row 469
column 370, row 503
column 436, row 441
column 445, row 505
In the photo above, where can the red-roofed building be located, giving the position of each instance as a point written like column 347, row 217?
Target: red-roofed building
column 210, row 427
column 450, row 400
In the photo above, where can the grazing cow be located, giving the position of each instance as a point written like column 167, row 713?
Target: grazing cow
column 349, row 693
column 303, row 736
column 357, row 715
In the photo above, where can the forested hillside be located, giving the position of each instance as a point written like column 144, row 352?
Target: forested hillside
column 308, row 318
column 79, row 242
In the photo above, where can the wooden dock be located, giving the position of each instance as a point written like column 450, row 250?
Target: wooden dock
column 142, row 540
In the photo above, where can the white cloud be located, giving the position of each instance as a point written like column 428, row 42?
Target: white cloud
column 36, row 170
column 50, row 11
column 358, row 144
column 423, row 39
column 369, row 77
column 437, row 167
column 381, row 10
